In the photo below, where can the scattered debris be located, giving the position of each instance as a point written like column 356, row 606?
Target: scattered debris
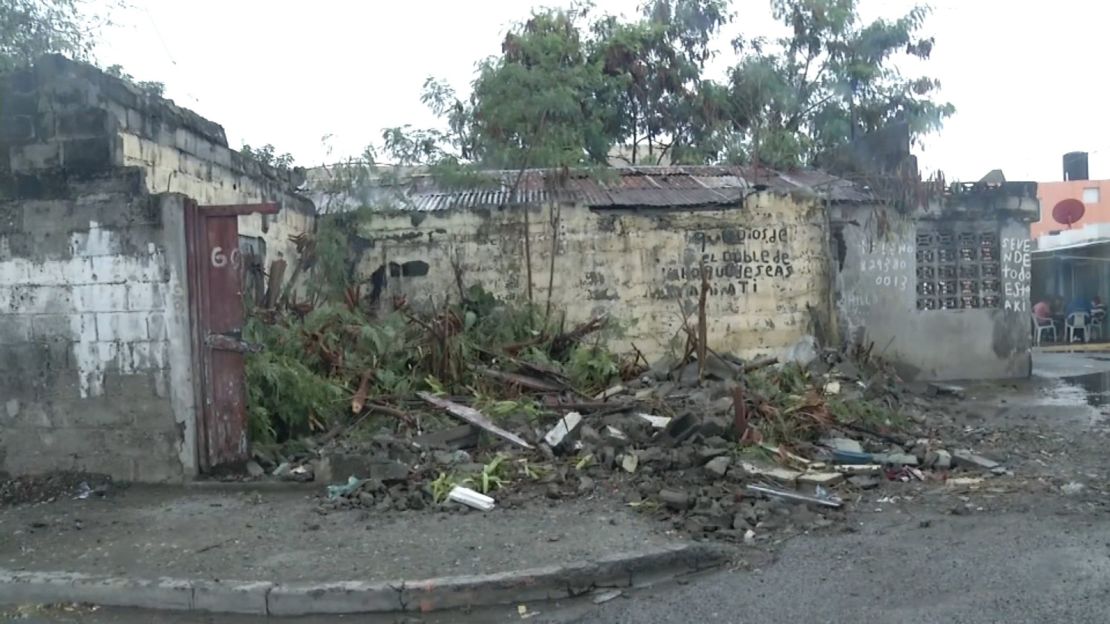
column 470, row 498
column 473, row 417
column 601, row 597
column 346, row 489
column 659, row 422
column 967, row 459
column 1072, row 488
column 562, row 430
column 833, row 502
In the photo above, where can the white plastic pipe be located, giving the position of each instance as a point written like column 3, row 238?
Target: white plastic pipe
column 470, row 498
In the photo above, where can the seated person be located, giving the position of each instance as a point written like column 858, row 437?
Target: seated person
column 1078, row 305
column 1098, row 311
column 1042, row 312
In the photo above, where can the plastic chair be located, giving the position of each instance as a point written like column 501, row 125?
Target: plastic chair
column 1075, row 323
column 1040, row 327
column 1098, row 318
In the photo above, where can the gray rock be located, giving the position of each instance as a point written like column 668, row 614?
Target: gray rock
column 939, row 459
column 864, row 482
column 675, row 499
column 846, row 445
column 896, row 459
column 966, row 459
column 718, row 466
column 715, row 426
column 255, row 470
column 703, row 455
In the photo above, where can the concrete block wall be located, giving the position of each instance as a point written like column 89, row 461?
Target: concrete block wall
column 878, row 287
column 69, row 115
column 769, row 284
column 94, row 348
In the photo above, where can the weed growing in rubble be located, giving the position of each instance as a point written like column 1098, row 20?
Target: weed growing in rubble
column 592, row 368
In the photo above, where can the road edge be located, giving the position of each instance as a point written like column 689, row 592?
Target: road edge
column 629, row 569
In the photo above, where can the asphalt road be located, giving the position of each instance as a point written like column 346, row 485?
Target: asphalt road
column 1036, row 566
column 1012, row 568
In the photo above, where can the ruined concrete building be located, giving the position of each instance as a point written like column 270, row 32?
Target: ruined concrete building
column 936, row 283
column 119, row 276
column 127, row 226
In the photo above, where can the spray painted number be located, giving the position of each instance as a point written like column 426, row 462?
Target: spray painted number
column 898, row 281
column 220, row 259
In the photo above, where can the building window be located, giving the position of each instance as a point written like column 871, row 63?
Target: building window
column 1090, row 195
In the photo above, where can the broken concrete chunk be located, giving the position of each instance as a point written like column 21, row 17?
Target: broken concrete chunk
column 783, row 475
column 560, row 433
column 896, row 459
column 614, row 435
column 821, row 478
column 629, row 462
column 718, row 466
column 703, row 455
column 939, row 459
column 254, row 469
column 675, row 499
column 864, row 482
column 966, row 459
column 715, row 426
column 659, row 422
column 682, row 427
column 847, row 445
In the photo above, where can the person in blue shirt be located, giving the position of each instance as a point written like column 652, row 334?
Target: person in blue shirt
column 1079, row 304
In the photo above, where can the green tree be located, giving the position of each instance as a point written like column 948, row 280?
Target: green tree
column 31, row 28
column 831, row 80
column 663, row 107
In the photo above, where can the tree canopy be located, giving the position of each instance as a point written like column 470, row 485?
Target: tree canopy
column 571, row 88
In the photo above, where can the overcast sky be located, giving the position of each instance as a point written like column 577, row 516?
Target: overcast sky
column 1026, row 76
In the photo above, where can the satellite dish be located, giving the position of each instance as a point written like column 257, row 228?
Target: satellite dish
column 1068, row 211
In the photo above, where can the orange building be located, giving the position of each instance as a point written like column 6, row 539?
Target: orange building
column 1095, row 195
column 1072, row 261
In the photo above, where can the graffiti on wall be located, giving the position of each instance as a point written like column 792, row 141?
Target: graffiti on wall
column 887, row 264
column 734, row 262
column 1017, row 261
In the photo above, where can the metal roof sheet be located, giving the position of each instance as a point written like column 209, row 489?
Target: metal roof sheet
column 625, row 187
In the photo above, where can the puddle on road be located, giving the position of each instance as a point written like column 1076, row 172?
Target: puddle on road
column 1094, row 389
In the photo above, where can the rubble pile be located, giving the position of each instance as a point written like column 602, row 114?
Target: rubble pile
column 495, row 414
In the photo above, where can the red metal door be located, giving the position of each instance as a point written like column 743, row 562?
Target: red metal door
column 215, row 278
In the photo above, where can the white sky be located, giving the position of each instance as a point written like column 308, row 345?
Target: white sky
column 1024, row 74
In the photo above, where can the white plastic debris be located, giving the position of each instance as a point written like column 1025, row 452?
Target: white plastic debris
column 470, row 498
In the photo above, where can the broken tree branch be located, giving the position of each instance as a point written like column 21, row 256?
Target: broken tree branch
column 474, row 417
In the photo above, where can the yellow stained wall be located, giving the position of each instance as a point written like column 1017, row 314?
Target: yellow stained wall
column 211, row 180
column 767, row 262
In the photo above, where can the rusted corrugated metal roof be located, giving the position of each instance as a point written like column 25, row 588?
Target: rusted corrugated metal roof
column 630, row 187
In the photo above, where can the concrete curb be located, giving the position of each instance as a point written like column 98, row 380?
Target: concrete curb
column 632, row 569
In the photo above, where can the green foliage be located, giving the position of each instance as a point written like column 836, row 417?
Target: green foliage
column 592, row 368
column 285, row 395
column 31, row 28
column 267, row 155
column 831, row 80
column 569, row 87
